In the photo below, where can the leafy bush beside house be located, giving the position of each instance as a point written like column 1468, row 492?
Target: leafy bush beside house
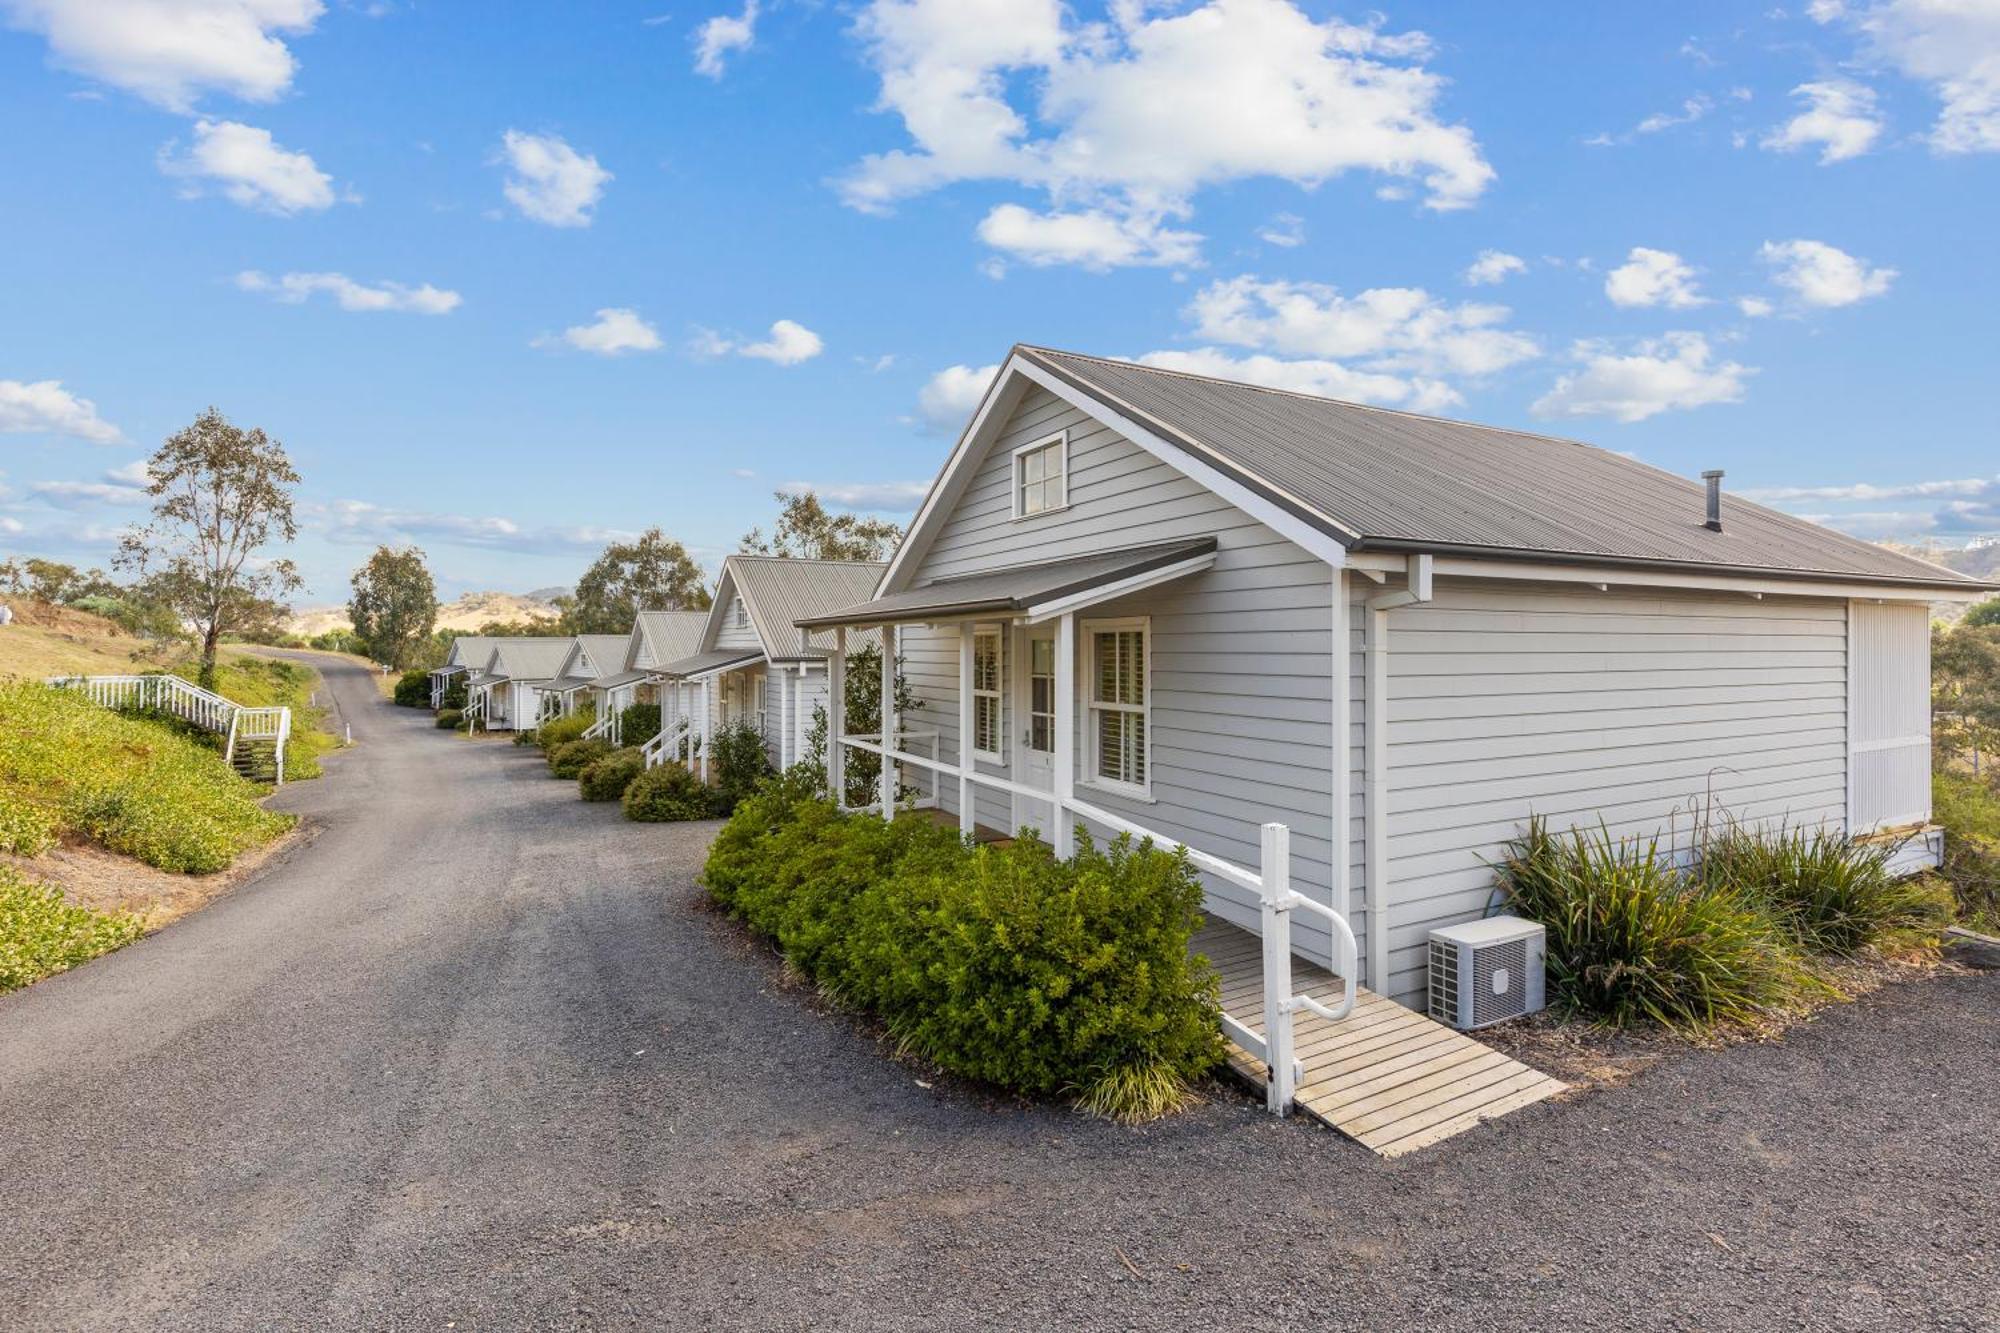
column 739, row 764
column 413, row 690
column 1969, row 809
column 639, row 723
column 668, row 794
column 562, row 730
column 450, row 719
column 569, row 759
column 1057, row 979
column 40, row 934
column 128, row 785
column 606, row 779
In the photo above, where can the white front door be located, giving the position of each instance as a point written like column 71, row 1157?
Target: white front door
column 1035, row 725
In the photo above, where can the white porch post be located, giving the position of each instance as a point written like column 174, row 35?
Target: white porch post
column 889, row 721
column 1065, row 757
column 1375, row 795
column 836, row 718
column 966, row 824
column 799, row 716
column 1343, row 871
column 1275, row 925
column 707, row 723
column 784, row 693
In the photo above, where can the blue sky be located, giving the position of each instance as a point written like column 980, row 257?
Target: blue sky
column 506, row 286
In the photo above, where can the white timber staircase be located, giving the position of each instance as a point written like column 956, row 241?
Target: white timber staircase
column 253, row 739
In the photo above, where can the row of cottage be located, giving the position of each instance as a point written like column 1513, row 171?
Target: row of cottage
column 1135, row 599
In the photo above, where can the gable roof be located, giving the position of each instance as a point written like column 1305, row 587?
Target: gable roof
column 599, row 653
column 470, row 650
column 780, row 591
column 668, row 634
column 1373, row 479
column 527, row 658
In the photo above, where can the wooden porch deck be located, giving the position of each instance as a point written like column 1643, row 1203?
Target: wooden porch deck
column 1388, row 1077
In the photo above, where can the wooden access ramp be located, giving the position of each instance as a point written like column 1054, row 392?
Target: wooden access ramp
column 1385, row 1076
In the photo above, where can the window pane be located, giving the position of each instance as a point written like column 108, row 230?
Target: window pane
column 1121, row 747
column 1031, row 466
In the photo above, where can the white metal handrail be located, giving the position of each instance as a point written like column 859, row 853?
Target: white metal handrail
column 1276, row 902
column 191, row 703
column 667, row 742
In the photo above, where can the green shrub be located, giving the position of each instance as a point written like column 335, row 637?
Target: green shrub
column 126, row 784
column 562, row 730
column 449, row 719
column 413, row 690
column 454, row 692
column 569, row 759
column 40, row 934
column 1631, row 940
column 606, row 779
column 740, row 763
column 1003, row 964
column 26, row 829
column 639, row 723
column 1969, row 809
column 1830, row 894
column 528, row 736
column 668, row 793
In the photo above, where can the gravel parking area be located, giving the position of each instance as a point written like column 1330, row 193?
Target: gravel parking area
column 478, row 1056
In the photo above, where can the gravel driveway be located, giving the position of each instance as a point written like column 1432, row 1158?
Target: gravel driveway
column 477, row 1057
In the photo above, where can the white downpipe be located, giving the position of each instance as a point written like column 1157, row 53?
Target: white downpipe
column 1064, row 778
column 887, row 794
column 1375, row 779
column 707, row 723
column 836, row 718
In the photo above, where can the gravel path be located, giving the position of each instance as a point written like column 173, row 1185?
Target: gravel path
column 476, row 1057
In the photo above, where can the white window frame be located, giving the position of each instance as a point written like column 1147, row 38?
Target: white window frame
column 1060, row 442
column 758, row 700
column 739, row 613
column 1094, row 709
column 998, row 694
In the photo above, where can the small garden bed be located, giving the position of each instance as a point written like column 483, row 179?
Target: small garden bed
column 1057, row 979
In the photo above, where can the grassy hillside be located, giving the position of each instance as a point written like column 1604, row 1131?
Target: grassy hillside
column 264, row 682
column 465, row 614
column 69, row 768
column 47, row 640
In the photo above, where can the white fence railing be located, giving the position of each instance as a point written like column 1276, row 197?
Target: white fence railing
column 1271, row 882
column 238, row 724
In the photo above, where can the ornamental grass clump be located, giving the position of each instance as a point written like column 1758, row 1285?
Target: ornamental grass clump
column 40, row 934
column 1000, row 963
column 1830, row 894
column 1633, row 941
column 606, row 779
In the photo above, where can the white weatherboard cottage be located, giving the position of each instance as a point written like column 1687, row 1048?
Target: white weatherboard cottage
column 467, row 654
column 506, row 694
column 657, row 637
column 1198, row 608
column 752, row 665
column 590, row 657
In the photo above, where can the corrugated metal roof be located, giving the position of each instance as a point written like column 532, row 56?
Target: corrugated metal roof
column 1017, row 587
column 671, row 634
column 567, row 684
column 470, row 650
column 781, row 592
column 618, row 678
column 528, row 658
column 601, row 653
column 1386, row 480
column 714, row 659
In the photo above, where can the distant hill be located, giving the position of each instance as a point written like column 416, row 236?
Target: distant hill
column 466, row 613
column 1979, row 562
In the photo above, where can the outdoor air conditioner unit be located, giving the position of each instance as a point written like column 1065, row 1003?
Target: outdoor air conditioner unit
column 1485, row 972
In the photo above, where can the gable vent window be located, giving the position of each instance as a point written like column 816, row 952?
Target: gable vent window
column 986, row 693
column 1120, row 699
column 1041, row 476
column 742, row 614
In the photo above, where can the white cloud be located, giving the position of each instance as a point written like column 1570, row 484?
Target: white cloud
column 1967, row 487
column 616, row 330
column 295, row 288
column 361, row 523
column 1952, row 45
column 550, row 181
column 715, row 39
column 1133, row 117
column 171, row 51
column 119, row 486
column 249, row 167
column 1385, row 329
column 1314, row 375
column 1093, row 239
column 1674, row 372
column 44, row 407
column 885, row 496
column 1840, row 117
column 949, row 397
column 1754, row 307
column 789, row 343
column 1818, row 274
column 1285, row 230
column 1493, row 266
column 1652, row 278
column 1693, row 109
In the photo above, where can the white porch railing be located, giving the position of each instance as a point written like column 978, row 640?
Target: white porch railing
column 1271, row 882
column 239, row 725
column 675, row 740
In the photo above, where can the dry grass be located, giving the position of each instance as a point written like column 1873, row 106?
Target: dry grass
column 47, row 640
column 92, row 877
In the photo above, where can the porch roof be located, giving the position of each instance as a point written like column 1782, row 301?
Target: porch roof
column 568, row 684
column 1024, row 589
column 617, row 678
column 715, row 659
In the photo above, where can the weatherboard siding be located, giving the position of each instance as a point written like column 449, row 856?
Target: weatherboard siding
column 1636, row 711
